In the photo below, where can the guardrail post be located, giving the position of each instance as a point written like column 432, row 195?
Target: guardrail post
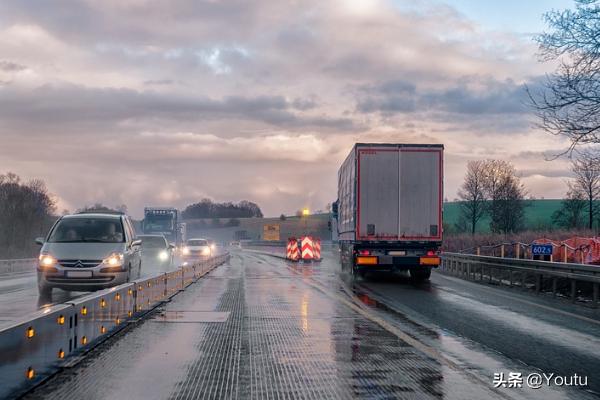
column 518, row 250
column 502, row 251
column 564, row 246
column 538, row 283
column 478, row 250
column 595, row 295
column 573, row 290
column 523, row 280
column 510, row 278
column 554, row 280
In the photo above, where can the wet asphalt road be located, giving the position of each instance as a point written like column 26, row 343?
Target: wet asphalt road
column 261, row 327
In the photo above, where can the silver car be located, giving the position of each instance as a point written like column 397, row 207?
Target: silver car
column 85, row 252
column 157, row 253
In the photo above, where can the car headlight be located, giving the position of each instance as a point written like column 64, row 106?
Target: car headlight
column 185, row 251
column 213, row 246
column 46, row 260
column 114, row 260
column 163, row 256
column 206, row 251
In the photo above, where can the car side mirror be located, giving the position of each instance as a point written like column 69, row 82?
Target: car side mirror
column 171, row 246
column 40, row 241
column 136, row 242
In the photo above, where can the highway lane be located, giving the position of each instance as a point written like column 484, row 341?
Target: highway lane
column 19, row 294
column 482, row 328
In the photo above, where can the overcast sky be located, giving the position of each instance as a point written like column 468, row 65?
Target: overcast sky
column 164, row 103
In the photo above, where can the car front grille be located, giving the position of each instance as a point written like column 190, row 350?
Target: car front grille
column 79, row 263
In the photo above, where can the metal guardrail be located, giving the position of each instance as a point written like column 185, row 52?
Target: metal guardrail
column 540, row 276
column 17, row 265
column 35, row 347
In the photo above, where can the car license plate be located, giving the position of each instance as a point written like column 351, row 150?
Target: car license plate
column 397, row 253
column 79, row 274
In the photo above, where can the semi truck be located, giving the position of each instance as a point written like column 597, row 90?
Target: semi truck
column 164, row 221
column 389, row 208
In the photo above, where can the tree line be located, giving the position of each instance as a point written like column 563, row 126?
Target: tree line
column 206, row 208
column 26, row 212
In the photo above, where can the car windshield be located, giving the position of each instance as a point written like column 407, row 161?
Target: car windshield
column 153, row 242
column 100, row 230
column 197, row 242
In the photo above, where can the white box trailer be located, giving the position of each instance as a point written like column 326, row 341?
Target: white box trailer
column 390, row 207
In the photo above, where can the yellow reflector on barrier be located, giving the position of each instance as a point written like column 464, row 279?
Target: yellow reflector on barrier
column 429, row 260
column 118, row 296
column 30, row 332
column 84, row 310
column 130, row 292
column 102, row 303
column 102, row 330
column 61, row 354
column 30, row 373
column 129, row 313
column 118, row 320
column 366, row 260
column 61, row 319
column 84, row 340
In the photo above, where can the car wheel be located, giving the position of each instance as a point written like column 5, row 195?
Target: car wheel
column 44, row 291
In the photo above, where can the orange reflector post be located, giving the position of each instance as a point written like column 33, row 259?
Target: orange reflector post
column 429, row 260
column 30, row 332
column 366, row 260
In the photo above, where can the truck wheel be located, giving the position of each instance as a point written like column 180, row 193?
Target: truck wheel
column 420, row 275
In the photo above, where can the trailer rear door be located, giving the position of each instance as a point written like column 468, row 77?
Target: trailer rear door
column 377, row 211
column 420, row 214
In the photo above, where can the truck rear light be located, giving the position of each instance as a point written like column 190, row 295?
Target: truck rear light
column 429, row 260
column 430, row 253
column 364, row 252
column 366, row 260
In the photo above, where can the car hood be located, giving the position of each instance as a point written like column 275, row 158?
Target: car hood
column 82, row 251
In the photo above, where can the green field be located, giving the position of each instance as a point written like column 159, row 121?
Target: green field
column 538, row 215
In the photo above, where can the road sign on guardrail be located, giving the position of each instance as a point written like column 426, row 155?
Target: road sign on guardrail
column 541, row 249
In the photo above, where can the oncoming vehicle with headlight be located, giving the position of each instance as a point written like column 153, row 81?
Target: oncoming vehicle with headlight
column 157, row 251
column 196, row 248
column 88, row 251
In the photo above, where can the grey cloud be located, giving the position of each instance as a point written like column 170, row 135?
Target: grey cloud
column 8, row 66
column 71, row 104
column 492, row 97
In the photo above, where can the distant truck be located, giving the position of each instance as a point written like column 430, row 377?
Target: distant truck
column 164, row 221
column 389, row 208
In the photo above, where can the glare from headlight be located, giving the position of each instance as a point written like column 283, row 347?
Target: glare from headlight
column 206, row 251
column 114, row 260
column 185, row 251
column 213, row 246
column 47, row 260
column 163, row 256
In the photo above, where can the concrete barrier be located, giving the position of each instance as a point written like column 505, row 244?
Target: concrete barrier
column 35, row 347
column 21, row 265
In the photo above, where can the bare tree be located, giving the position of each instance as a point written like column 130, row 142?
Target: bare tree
column 506, row 196
column 571, row 213
column 25, row 212
column 569, row 102
column 471, row 193
column 586, row 170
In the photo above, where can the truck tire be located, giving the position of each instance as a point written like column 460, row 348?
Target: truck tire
column 420, row 275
